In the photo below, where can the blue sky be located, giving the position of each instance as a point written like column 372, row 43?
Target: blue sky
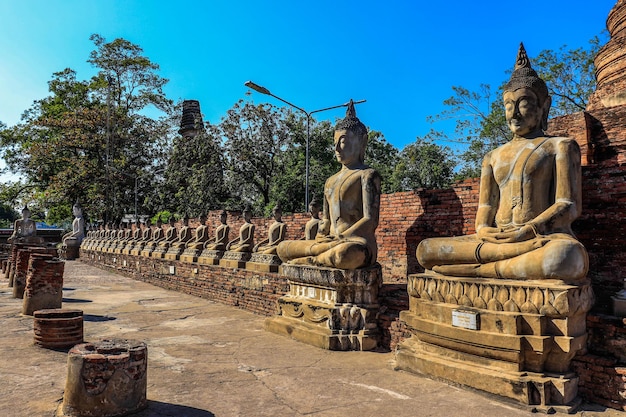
column 403, row 57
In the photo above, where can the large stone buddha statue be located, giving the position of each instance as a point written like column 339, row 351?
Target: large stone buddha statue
column 346, row 238
column 275, row 234
column 530, row 193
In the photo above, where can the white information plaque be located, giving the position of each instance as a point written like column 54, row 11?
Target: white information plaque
column 465, row 319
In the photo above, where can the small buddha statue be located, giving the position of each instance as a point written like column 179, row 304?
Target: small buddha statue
column 530, row 193
column 346, row 236
column 171, row 235
column 157, row 237
column 202, row 235
column 275, row 234
column 146, row 234
column 311, row 227
column 221, row 235
column 75, row 237
column 184, row 235
column 244, row 243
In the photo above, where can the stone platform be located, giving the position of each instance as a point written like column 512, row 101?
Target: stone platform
column 329, row 308
column 511, row 338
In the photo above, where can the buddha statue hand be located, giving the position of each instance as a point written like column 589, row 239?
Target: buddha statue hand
column 509, row 234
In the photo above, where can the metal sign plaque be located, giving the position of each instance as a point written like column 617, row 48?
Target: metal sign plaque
column 465, row 319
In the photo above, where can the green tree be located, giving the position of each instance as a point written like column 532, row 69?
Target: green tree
column 88, row 139
column 383, row 157
column 194, row 178
column 255, row 136
column 479, row 115
column 423, row 164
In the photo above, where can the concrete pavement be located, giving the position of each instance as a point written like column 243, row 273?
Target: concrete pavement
column 208, row 359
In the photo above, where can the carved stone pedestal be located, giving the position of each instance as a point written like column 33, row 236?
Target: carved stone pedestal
column 234, row 259
column 159, row 252
column 173, row 253
column 210, row 257
column 69, row 252
column 263, row 263
column 147, row 251
column 136, row 250
column 329, row 308
column 506, row 337
column 190, row 255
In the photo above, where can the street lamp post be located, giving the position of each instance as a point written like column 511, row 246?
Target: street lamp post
column 265, row 91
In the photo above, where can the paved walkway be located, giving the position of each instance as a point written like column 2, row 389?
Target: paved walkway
column 208, row 359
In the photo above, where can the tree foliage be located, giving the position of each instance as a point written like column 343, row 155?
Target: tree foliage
column 423, row 164
column 479, row 115
column 88, row 140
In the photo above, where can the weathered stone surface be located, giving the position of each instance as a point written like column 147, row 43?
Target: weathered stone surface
column 525, row 337
column 346, row 236
column 105, row 378
column 329, row 308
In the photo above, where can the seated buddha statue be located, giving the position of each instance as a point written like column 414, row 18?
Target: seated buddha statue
column 171, row 236
column 202, row 235
column 346, row 237
column 146, row 233
column 311, row 227
column 158, row 235
column 530, row 193
column 221, row 235
column 184, row 235
column 244, row 243
column 275, row 234
column 76, row 236
column 24, row 229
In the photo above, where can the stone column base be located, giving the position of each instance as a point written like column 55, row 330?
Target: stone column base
column 106, row 378
column 329, row 308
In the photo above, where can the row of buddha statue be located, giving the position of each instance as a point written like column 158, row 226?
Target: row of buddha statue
column 156, row 241
column 530, row 193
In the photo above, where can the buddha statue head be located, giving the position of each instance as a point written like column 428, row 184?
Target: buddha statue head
column 203, row 219
column 526, row 98
column 350, row 139
column 223, row 216
column 277, row 212
column 247, row 214
column 77, row 209
column 315, row 207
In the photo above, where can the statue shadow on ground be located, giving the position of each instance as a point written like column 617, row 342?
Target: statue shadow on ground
column 96, row 318
column 162, row 409
column 76, row 300
column 442, row 215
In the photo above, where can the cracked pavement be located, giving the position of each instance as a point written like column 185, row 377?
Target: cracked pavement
column 208, row 359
